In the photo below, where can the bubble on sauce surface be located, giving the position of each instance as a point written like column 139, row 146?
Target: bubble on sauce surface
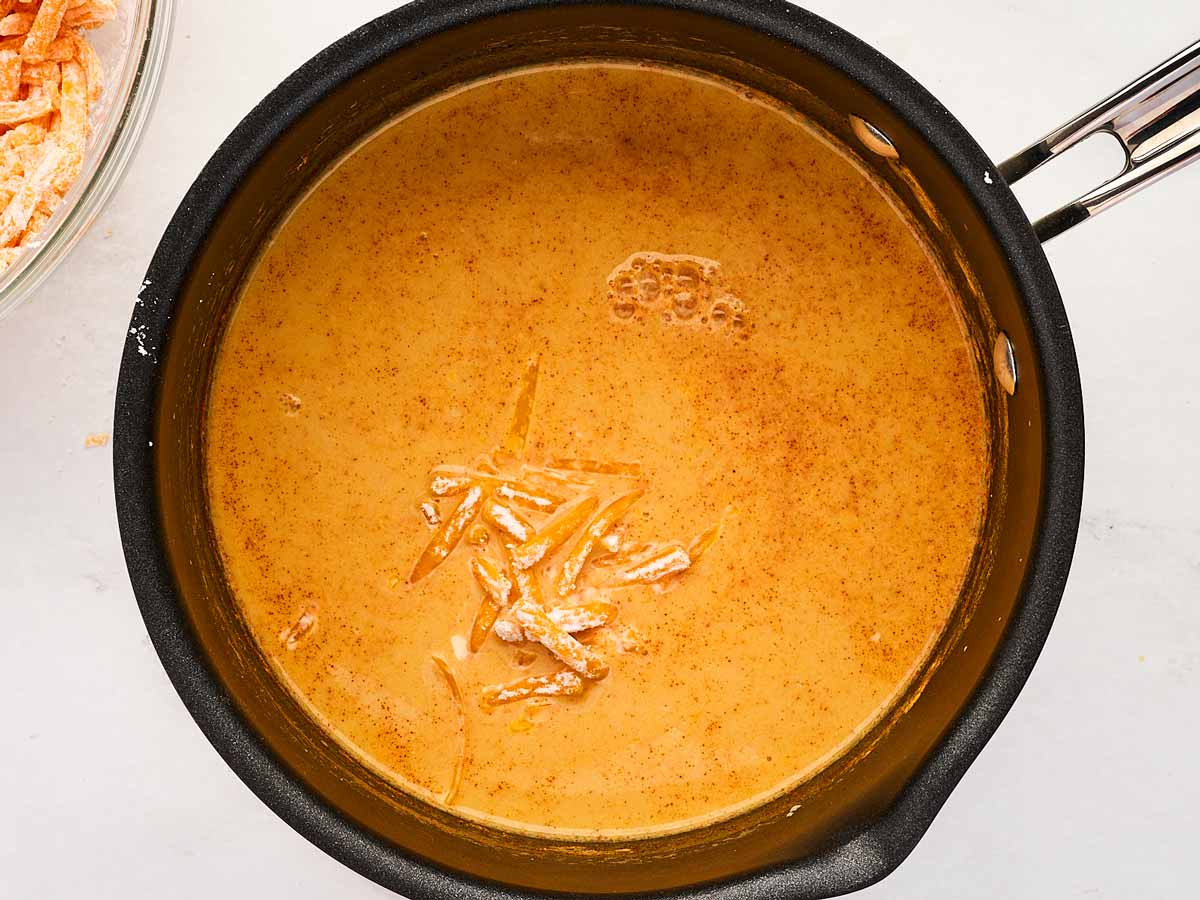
column 624, row 307
column 648, row 287
column 685, row 304
column 684, row 289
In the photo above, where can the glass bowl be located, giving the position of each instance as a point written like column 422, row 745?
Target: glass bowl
column 132, row 49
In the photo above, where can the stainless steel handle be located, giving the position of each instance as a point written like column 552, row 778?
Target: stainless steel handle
column 1157, row 121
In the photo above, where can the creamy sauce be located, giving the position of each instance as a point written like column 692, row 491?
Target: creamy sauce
column 803, row 377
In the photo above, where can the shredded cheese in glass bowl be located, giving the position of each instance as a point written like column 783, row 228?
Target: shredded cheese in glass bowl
column 78, row 80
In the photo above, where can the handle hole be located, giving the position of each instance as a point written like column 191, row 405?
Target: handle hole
column 1080, row 169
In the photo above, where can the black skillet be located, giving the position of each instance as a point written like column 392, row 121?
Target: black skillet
column 856, row 821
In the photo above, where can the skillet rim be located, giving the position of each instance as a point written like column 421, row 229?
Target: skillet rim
column 854, row 864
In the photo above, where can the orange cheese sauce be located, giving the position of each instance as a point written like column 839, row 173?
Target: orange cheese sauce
column 720, row 298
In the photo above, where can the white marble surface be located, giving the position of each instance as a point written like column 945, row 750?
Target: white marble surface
column 1091, row 787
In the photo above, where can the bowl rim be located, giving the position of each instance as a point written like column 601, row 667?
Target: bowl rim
column 143, row 66
column 882, row 845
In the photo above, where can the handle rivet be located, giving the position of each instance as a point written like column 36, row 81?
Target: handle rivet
column 873, row 139
column 1004, row 361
